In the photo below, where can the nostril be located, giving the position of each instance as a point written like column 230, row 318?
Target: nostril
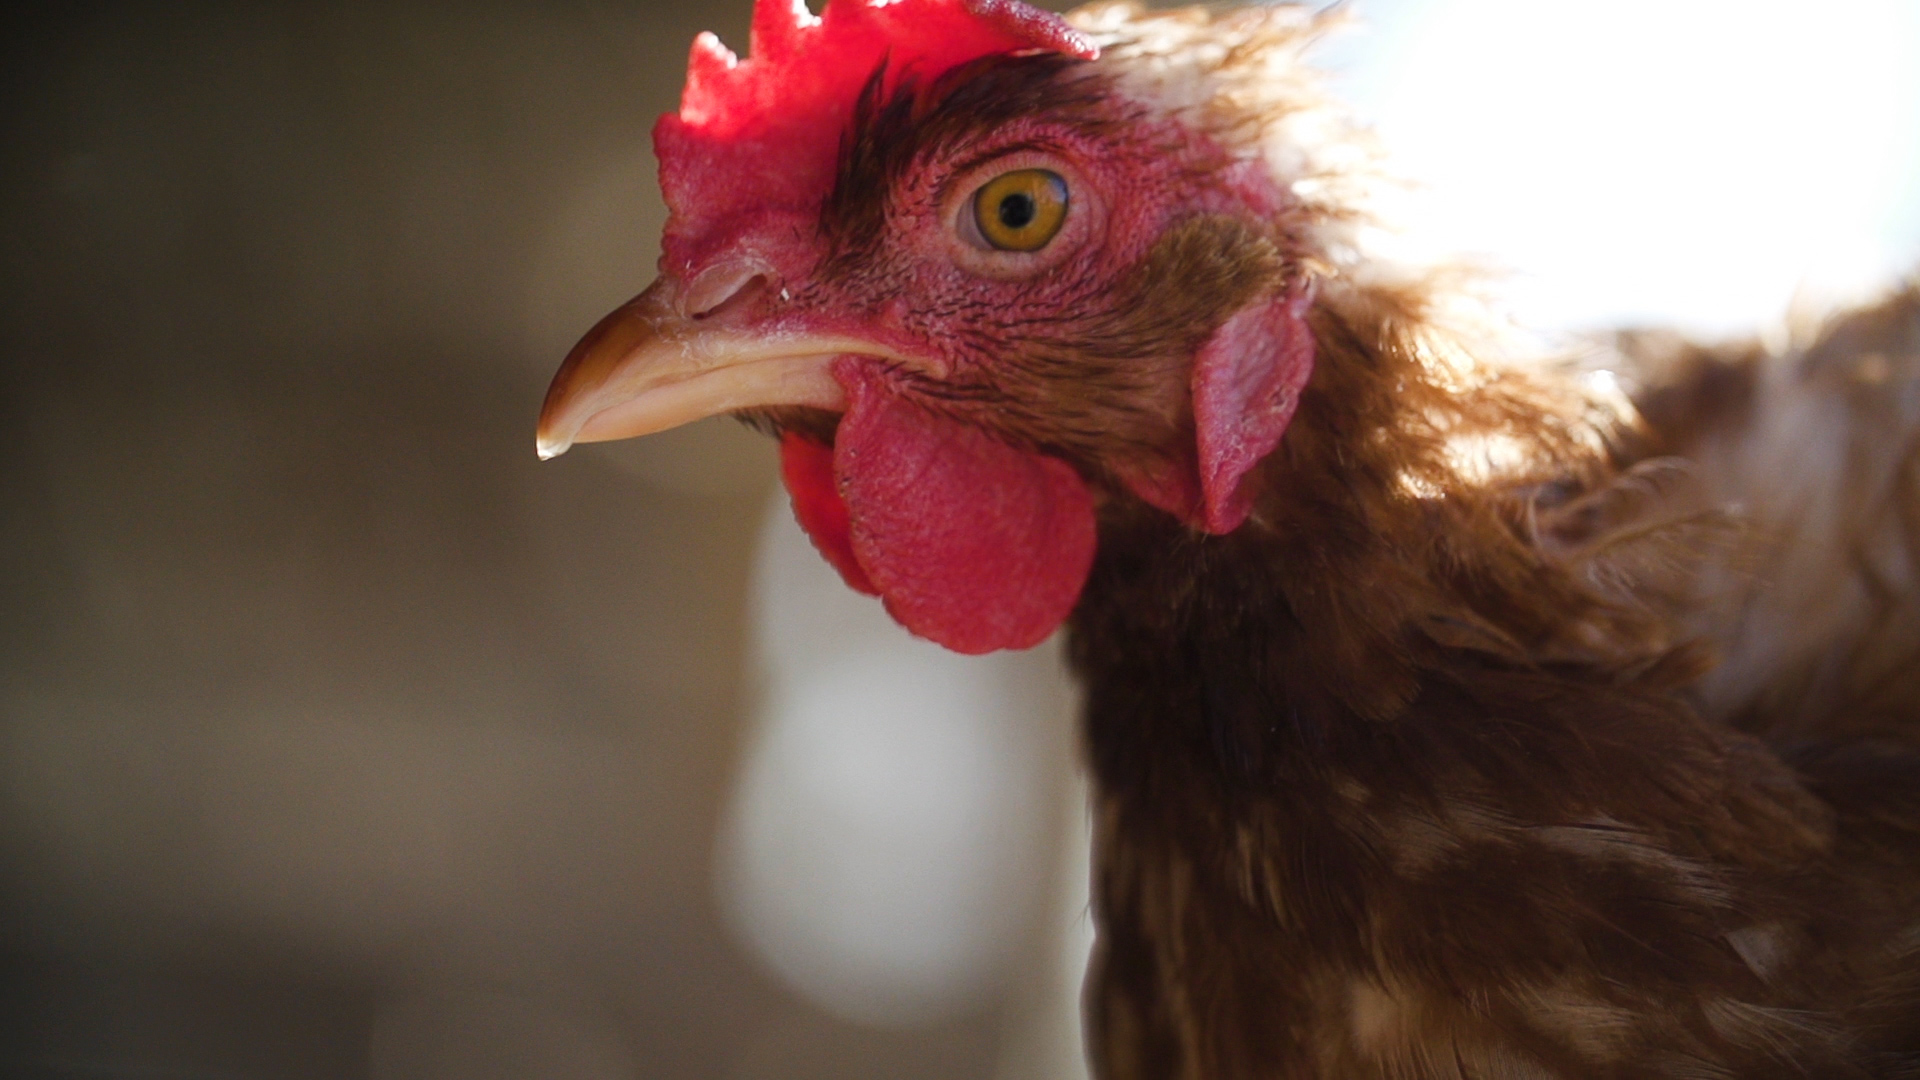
column 721, row 287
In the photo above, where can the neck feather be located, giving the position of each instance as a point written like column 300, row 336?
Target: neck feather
column 1387, row 571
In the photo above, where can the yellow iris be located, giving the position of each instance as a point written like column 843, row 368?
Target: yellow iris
column 1021, row 210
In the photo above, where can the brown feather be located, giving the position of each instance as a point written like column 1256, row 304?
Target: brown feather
column 1817, row 445
column 1335, row 842
column 1428, row 770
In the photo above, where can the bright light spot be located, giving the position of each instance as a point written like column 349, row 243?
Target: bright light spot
column 1660, row 160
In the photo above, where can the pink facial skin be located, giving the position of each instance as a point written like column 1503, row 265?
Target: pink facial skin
column 927, row 292
column 938, row 495
column 972, row 542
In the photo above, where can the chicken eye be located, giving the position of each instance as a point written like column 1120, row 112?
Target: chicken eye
column 1021, row 210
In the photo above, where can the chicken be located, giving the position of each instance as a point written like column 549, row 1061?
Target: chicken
column 1410, row 753
column 1815, row 619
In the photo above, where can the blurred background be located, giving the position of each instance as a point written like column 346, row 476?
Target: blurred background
column 341, row 738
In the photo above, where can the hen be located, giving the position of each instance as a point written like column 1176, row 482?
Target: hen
column 1410, row 752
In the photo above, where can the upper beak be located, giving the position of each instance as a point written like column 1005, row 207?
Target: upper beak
column 646, row 367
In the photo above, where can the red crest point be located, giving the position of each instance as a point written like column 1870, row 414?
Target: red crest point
column 799, row 62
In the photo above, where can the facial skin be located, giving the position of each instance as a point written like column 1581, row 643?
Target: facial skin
column 1081, row 347
column 1078, row 348
column 1026, row 381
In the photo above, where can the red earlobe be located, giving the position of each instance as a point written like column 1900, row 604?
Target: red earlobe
column 1247, row 381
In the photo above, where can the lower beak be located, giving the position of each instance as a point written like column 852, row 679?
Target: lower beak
column 646, row 368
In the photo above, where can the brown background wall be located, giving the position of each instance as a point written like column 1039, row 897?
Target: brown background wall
column 339, row 737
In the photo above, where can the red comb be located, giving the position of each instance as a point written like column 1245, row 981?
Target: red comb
column 762, row 134
column 800, row 63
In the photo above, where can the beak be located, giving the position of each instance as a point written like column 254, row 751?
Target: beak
column 646, row 368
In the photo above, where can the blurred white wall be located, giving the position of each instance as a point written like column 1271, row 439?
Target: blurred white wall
column 893, row 833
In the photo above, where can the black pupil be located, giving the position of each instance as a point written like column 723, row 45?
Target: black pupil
column 1017, row 210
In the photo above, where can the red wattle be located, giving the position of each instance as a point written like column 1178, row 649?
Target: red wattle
column 807, row 467
column 969, row 542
